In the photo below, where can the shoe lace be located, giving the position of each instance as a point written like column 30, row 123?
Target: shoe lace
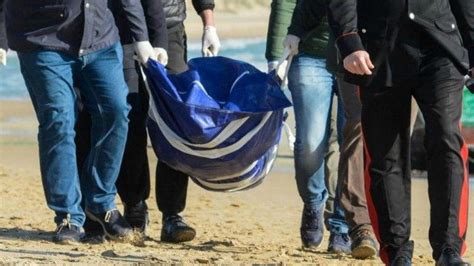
column 175, row 220
column 108, row 215
column 450, row 251
column 363, row 233
column 345, row 237
column 64, row 223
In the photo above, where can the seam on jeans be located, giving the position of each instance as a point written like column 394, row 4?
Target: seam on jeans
column 93, row 155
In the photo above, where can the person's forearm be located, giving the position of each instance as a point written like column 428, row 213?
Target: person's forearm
column 207, row 17
column 342, row 17
column 135, row 18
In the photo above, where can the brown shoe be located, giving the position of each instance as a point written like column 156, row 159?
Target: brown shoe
column 364, row 244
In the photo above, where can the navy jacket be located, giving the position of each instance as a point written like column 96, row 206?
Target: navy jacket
column 373, row 25
column 155, row 21
column 76, row 27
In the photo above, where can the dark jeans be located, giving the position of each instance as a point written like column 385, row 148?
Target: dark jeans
column 50, row 76
column 423, row 70
column 133, row 183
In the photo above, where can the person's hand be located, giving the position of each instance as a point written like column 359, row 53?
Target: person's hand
column 359, row 63
column 3, row 57
column 210, row 42
column 162, row 55
column 144, row 51
column 291, row 42
column 272, row 65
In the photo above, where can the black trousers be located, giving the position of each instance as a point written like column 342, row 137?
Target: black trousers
column 423, row 70
column 172, row 185
column 133, row 183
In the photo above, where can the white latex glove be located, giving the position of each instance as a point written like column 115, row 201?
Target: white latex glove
column 144, row 51
column 291, row 42
column 272, row 65
column 210, row 42
column 162, row 55
column 3, row 57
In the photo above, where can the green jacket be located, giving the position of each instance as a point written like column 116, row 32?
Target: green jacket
column 315, row 43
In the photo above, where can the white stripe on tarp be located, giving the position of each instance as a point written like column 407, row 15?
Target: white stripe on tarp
column 237, row 80
column 242, row 184
column 181, row 144
column 241, row 173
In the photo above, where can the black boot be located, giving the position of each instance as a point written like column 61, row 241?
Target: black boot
column 137, row 215
column 175, row 230
column 450, row 257
column 94, row 234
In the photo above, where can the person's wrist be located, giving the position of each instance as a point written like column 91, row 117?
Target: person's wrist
column 207, row 17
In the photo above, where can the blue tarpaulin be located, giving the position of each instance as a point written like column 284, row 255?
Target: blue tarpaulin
column 219, row 122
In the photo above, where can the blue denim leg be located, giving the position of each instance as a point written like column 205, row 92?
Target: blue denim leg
column 311, row 90
column 337, row 222
column 49, row 78
column 104, row 94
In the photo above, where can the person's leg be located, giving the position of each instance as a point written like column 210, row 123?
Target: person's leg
column 104, row 94
column 93, row 230
column 133, row 182
column 440, row 101
column 311, row 87
column 339, row 241
column 172, row 185
column 351, row 174
column 49, row 78
column 331, row 160
column 386, row 126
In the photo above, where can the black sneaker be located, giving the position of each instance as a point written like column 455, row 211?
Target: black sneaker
column 68, row 233
column 137, row 215
column 401, row 261
column 175, row 230
column 450, row 257
column 312, row 227
column 94, row 234
column 364, row 244
column 114, row 225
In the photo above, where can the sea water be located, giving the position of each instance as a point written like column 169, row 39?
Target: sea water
column 12, row 86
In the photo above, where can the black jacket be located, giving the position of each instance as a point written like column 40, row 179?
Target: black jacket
column 3, row 34
column 76, row 27
column 449, row 22
column 175, row 10
column 155, row 21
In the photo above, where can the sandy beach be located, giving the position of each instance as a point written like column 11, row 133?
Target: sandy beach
column 258, row 226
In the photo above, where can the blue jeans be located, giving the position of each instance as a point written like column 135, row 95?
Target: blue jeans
column 50, row 78
column 312, row 90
